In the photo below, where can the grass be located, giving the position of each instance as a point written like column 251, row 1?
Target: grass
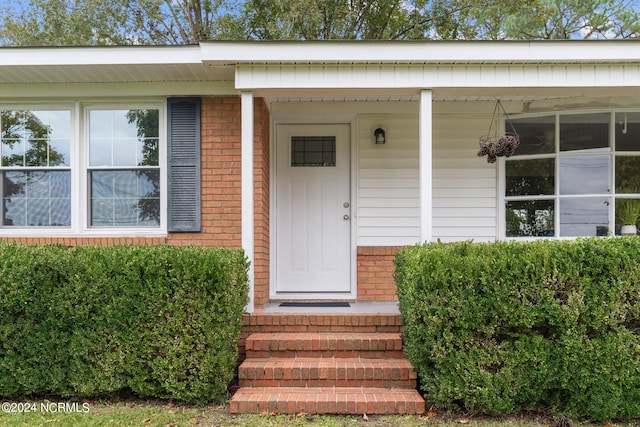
column 162, row 414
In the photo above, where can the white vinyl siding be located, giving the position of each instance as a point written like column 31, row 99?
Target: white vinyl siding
column 401, row 76
column 464, row 185
column 388, row 202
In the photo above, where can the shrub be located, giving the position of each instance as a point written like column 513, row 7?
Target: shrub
column 158, row 321
column 510, row 326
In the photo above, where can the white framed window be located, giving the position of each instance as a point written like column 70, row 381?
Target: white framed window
column 83, row 168
column 569, row 173
column 35, row 148
column 123, row 171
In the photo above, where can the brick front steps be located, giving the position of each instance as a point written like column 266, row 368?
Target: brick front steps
column 325, row 364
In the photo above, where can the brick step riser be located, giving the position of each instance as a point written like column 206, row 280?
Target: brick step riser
column 391, row 384
column 311, row 343
column 314, row 372
column 323, row 342
column 248, row 330
column 306, row 373
column 333, row 408
column 251, row 354
column 322, row 323
column 328, row 401
column 352, row 372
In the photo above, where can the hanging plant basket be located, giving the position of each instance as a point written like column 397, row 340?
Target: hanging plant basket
column 495, row 144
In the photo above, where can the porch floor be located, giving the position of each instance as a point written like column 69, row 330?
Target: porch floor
column 356, row 308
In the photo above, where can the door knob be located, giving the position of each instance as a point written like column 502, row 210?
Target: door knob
column 346, row 217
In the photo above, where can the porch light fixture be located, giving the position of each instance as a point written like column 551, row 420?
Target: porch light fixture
column 379, row 136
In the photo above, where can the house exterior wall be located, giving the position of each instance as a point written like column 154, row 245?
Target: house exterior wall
column 464, row 185
column 388, row 186
column 464, row 189
column 387, row 199
column 220, row 189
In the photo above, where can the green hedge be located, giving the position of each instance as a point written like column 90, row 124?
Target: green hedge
column 156, row 321
column 510, row 326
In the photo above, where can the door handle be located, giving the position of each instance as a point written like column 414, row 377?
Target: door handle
column 346, row 217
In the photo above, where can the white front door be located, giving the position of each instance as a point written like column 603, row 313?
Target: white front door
column 313, row 209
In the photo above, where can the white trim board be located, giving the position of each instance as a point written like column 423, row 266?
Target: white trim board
column 337, row 76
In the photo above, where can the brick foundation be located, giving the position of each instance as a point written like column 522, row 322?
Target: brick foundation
column 375, row 273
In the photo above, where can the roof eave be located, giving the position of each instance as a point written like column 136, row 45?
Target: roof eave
column 420, row 52
column 102, row 55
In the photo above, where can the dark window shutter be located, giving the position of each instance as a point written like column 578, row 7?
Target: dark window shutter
column 184, row 164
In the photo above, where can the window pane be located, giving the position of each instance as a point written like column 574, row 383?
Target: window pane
column 123, row 138
column 12, row 152
column 36, row 152
column 125, row 198
column 35, row 138
column 100, row 124
column 36, row 198
column 313, row 151
column 59, row 152
column 148, row 152
column 537, row 134
column 125, row 152
column 530, row 218
column 584, row 217
column 585, row 132
column 123, row 128
column 530, row 177
column 146, row 123
column 585, row 175
column 49, row 138
column 60, row 123
column 627, row 212
column 627, row 129
column 100, row 152
column 628, row 174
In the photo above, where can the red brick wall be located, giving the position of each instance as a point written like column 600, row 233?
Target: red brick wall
column 76, row 241
column 261, row 200
column 375, row 273
column 221, row 161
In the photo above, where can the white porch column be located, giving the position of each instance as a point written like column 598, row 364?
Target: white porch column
column 426, row 165
column 247, row 186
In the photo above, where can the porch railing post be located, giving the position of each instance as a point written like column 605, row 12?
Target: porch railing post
column 247, row 186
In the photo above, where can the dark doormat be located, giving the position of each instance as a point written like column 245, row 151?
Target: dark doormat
column 320, row 304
